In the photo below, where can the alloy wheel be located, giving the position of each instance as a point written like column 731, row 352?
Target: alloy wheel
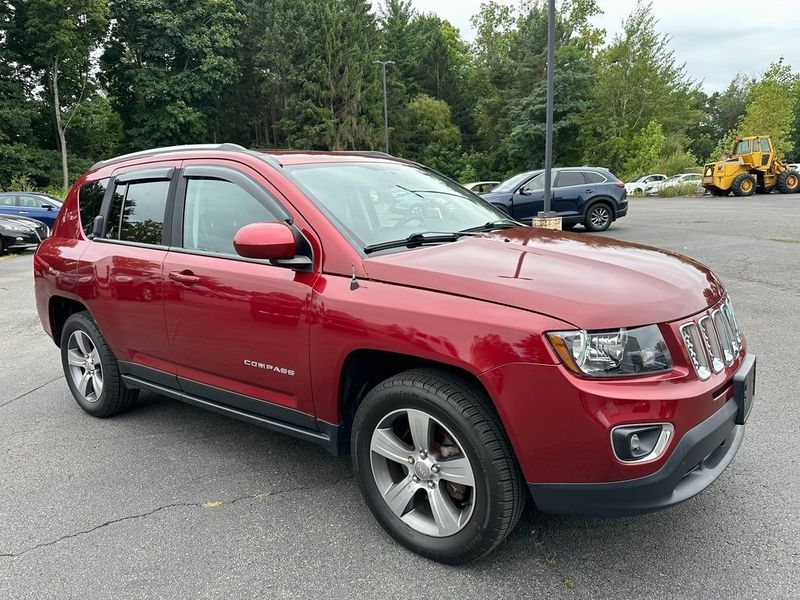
column 85, row 367
column 600, row 217
column 422, row 472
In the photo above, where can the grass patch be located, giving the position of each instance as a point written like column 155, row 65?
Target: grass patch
column 784, row 241
column 678, row 191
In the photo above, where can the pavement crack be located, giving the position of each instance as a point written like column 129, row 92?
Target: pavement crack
column 149, row 513
column 38, row 387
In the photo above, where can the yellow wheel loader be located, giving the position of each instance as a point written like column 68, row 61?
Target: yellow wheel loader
column 752, row 168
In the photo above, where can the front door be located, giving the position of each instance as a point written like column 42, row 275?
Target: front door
column 529, row 199
column 238, row 328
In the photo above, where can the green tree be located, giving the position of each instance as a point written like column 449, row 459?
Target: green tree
column 771, row 108
column 639, row 80
column 167, row 64
column 55, row 40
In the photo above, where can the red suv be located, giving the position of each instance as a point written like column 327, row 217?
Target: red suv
column 372, row 306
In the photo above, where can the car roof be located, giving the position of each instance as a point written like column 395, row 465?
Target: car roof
column 277, row 158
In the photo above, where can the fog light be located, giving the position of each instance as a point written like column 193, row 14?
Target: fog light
column 636, row 443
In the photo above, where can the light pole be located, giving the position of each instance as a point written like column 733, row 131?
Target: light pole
column 547, row 218
column 383, row 64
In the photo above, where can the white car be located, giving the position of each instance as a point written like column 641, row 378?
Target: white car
column 679, row 179
column 637, row 186
column 481, row 187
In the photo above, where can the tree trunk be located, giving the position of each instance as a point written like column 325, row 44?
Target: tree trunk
column 62, row 134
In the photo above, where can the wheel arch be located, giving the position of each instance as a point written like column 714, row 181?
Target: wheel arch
column 607, row 200
column 363, row 369
column 61, row 308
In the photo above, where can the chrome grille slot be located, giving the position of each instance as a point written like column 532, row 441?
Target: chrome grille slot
column 711, row 343
column 695, row 346
column 725, row 337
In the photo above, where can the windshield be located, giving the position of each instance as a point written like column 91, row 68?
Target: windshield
column 743, row 147
column 511, row 184
column 381, row 202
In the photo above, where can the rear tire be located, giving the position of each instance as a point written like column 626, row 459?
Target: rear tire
column 788, row 182
column 413, row 492
column 91, row 369
column 744, row 185
column 599, row 217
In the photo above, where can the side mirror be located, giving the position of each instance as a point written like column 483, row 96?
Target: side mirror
column 47, row 206
column 524, row 191
column 265, row 241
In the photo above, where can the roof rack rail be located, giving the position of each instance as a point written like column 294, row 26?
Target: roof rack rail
column 187, row 147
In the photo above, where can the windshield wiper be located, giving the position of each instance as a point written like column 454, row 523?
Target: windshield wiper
column 492, row 225
column 417, row 239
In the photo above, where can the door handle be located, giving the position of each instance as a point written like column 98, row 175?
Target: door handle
column 184, row 277
column 23, row 212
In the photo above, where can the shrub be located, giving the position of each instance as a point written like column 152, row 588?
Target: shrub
column 678, row 191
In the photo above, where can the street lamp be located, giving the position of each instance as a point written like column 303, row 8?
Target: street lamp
column 547, row 218
column 383, row 63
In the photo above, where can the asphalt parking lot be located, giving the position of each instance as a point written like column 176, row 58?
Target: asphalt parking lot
column 169, row 501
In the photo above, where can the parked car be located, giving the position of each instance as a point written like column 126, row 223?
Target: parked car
column 464, row 361
column 676, row 180
column 34, row 205
column 481, row 187
column 20, row 233
column 638, row 185
column 587, row 195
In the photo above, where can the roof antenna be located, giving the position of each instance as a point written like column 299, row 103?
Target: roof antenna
column 353, row 281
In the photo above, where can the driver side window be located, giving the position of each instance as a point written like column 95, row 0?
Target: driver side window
column 534, row 185
column 215, row 210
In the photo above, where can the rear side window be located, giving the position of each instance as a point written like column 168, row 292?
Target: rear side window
column 592, row 177
column 7, row 201
column 90, row 199
column 215, row 210
column 137, row 212
column 568, row 178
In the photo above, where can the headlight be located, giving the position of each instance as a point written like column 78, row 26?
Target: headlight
column 620, row 353
column 12, row 227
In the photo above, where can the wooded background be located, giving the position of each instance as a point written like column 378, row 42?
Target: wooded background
column 82, row 80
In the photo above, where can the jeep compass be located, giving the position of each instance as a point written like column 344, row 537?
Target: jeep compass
column 468, row 364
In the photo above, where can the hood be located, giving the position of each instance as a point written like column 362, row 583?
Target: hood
column 588, row 281
column 20, row 221
column 497, row 196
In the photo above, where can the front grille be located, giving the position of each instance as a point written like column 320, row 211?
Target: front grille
column 713, row 340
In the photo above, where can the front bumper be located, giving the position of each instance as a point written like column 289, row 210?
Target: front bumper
column 697, row 461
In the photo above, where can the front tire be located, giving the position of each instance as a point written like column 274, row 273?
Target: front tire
column 744, row 185
column 788, row 182
column 91, row 369
column 599, row 217
column 435, row 467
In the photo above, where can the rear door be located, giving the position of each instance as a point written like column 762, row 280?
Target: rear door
column 120, row 271
column 8, row 204
column 570, row 188
column 239, row 328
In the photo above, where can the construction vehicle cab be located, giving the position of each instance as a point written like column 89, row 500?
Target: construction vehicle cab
column 753, row 167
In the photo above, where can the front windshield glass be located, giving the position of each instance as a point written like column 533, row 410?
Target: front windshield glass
column 381, row 202
column 511, row 184
column 743, row 147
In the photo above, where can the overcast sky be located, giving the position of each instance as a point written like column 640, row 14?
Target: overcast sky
column 715, row 38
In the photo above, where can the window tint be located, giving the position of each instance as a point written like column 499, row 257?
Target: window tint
column 215, row 210
column 90, row 199
column 137, row 212
column 7, row 201
column 592, row 177
column 568, row 178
